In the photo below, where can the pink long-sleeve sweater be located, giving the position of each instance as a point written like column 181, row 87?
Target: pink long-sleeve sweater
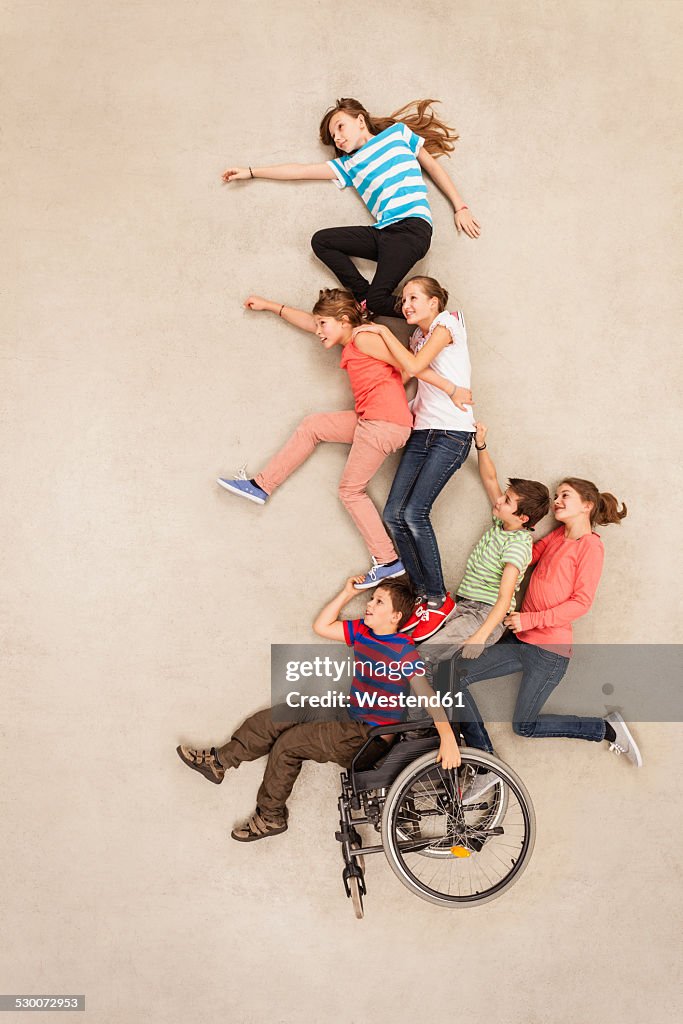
column 562, row 587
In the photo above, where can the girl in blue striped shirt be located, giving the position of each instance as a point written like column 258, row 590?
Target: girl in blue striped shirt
column 383, row 159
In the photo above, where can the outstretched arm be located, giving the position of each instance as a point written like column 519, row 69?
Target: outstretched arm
column 487, row 469
column 297, row 317
column 280, row 172
column 328, row 623
column 464, row 221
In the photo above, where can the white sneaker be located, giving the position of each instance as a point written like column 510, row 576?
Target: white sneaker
column 624, row 742
column 479, row 785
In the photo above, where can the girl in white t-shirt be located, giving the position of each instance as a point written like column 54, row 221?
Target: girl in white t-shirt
column 383, row 159
column 436, row 449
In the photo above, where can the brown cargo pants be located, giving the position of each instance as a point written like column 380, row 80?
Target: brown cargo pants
column 288, row 745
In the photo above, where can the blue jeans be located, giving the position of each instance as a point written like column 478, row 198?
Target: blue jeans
column 541, row 672
column 430, row 458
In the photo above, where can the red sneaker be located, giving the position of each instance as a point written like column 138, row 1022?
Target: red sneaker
column 416, row 618
column 432, row 619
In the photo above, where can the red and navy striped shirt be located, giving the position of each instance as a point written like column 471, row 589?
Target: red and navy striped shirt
column 384, row 666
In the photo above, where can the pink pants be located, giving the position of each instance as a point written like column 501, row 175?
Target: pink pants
column 371, row 441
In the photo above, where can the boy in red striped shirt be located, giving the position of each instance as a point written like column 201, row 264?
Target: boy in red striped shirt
column 386, row 667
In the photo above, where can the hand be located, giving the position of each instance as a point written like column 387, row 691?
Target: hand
column 349, row 585
column 256, row 303
column 481, row 432
column 513, row 621
column 449, row 753
column 236, row 174
column 464, row 221
column 370, row 328
column 462, row 397
column 472, row 648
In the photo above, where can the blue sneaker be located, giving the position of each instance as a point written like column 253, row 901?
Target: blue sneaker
column 242, row 485
column 377, row 573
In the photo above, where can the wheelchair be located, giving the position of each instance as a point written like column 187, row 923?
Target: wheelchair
column 447, row 850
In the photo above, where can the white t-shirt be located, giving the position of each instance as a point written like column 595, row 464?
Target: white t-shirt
column 432, row 408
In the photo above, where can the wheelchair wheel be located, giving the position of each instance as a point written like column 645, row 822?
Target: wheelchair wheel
column 495, row 802
column 356, row 896
column 454, row 854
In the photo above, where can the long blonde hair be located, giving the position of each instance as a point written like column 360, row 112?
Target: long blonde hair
column 418, row 115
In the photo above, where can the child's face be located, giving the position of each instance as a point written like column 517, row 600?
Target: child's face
column 379, row 614
column 568, row 504
column 416, row 305
column 348, row 132
column 505, row 509
column 330, row 331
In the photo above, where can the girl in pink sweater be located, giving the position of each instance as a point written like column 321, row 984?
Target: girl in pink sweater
column 567, row 568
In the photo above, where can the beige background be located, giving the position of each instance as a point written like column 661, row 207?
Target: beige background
column 140, row 601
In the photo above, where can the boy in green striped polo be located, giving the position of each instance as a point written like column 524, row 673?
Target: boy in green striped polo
column 495, row 568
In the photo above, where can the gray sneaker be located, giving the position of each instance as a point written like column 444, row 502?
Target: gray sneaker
column 624, row 742
column 480, row 784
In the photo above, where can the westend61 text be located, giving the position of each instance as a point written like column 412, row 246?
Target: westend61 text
column 373, row 699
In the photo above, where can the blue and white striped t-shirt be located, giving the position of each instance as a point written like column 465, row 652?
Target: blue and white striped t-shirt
column 387, row 176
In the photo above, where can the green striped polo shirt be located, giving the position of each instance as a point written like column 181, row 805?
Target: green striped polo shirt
column 484, row 569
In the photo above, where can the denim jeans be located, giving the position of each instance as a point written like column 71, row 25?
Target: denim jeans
column 430, row 458
column 541, row 672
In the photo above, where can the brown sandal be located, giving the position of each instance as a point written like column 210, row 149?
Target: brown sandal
column 257, row 828
column 203, row 761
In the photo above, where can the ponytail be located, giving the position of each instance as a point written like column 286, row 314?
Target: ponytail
column 605, row 506
column 608, row 510
column 418, row 115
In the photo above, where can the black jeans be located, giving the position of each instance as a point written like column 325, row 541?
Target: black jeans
column 396, row 249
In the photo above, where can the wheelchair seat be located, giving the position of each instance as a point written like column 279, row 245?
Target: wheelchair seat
column 365, row 774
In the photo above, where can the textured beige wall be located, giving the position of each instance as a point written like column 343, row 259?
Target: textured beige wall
column 141, row 600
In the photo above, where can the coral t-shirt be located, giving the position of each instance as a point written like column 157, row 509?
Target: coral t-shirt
column 561, row 589
column 377, row 387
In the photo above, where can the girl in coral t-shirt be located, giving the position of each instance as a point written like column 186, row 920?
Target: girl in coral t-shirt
column 379, row 425
column 567, row 568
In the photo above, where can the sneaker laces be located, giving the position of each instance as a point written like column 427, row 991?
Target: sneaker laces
column 372, row 573
column 617, row 748
column 241, row 473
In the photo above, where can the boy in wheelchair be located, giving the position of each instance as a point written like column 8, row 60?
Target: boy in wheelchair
column 381, row 654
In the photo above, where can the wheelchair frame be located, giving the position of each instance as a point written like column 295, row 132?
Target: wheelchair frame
column 418, row 808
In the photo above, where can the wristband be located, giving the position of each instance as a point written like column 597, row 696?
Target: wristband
column 451, row 393
column 281, row 308
column 478, row 448
column 457, row 211
column 251, row 173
